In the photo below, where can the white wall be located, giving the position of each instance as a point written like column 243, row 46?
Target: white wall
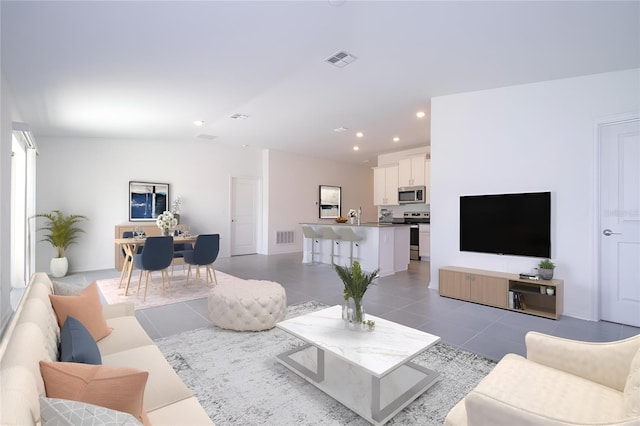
column 534, row 137
column 293, row 193
column 392, row 158
column 91, row 177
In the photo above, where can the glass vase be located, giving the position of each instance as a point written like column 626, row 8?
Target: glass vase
column 358, row 311
column 353, row 314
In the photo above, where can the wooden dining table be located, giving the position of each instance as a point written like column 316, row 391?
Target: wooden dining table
column 130, row 247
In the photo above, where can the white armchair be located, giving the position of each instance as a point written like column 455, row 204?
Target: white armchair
column 561, row 382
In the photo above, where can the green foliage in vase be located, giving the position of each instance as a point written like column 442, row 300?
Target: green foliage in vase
column 355, row 281
column 546, row 264
column 62, row 229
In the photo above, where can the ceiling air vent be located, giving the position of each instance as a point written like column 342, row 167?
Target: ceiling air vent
column 205, row 136
column 341, row 59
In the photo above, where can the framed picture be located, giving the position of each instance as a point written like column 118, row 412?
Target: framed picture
column 147, row 200
column 330, row 201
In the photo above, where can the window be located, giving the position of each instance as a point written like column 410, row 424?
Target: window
column 23, row 164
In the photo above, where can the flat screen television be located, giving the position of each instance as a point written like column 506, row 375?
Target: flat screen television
column 514, row 224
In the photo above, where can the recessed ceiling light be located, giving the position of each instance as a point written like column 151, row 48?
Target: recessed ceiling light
column 396, row 139
column 198, row 123
column 355, row 148
column 420, row 114
column 359, row 134
column 239, row 116
column 340, row 129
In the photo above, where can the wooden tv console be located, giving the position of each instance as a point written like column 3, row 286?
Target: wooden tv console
column 492, row 289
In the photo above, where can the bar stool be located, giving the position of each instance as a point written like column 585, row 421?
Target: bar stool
column 329, row 234
column 348, row 234
column 314, row 236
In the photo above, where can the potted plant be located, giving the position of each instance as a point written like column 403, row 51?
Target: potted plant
column 356, row 283
column 62, row 231
column 175, row 208
column 545, row 269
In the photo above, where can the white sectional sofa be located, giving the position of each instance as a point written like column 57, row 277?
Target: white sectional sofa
column 561, row 382
column 33, row 335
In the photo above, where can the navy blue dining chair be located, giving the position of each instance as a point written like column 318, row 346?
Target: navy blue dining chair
column 157, row 255
column 126, row 234
column 178, row 254
column 204, row 253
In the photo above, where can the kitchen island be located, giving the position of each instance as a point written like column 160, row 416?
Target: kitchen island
column 383, row 246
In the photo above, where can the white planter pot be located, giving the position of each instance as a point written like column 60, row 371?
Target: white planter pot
column 59, row 266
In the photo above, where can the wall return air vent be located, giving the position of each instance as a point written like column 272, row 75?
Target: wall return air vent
column 341, row 59
column 205, row 136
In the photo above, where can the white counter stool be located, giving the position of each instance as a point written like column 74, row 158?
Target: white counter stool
column 314, row 236
column 348, row 234
column 329, row 234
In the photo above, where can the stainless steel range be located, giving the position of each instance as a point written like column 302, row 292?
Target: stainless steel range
column 415, row 219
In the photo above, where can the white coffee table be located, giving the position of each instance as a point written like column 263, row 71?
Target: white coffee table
column 369, row 372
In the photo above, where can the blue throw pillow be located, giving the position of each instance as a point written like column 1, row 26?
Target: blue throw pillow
column 77, row 344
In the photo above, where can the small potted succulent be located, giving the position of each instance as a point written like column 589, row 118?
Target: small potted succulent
column 545, row 269
column 371, row 325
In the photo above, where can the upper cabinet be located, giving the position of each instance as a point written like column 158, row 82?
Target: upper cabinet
column 385, row 186
column 411, row 171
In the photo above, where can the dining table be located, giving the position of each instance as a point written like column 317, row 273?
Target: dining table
column 130, row 247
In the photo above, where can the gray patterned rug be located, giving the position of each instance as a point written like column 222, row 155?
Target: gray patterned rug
column 237, row 380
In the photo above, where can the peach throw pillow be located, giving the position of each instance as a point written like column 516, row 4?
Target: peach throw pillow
column 85, row 307
column 118, row 388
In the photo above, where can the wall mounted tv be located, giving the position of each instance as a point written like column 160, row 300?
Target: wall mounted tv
column 514, row 224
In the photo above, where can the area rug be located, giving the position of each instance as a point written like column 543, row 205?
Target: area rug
column 238, row 381
column 155, row 297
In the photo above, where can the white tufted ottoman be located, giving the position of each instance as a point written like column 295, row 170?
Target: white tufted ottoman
column 247, row 305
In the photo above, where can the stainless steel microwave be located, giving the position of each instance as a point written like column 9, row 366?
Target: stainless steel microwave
column 411, row 194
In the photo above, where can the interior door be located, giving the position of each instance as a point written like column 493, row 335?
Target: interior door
column 244, row 214
column 620, row 222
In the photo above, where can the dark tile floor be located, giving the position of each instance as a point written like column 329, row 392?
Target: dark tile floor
column 403, row 298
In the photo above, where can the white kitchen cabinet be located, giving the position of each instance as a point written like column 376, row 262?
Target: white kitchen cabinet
column 424, row 235
column 385, row 186
column 411, row 171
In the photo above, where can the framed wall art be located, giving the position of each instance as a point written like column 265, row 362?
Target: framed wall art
column 330, row 201
column 147, row 200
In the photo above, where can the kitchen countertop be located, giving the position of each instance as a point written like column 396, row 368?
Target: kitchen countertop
column 363, row 224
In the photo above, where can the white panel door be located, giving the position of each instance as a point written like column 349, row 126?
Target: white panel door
column 244, row 213
column 620, row 222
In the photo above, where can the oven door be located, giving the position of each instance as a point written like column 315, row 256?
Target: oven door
column 414, row 242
